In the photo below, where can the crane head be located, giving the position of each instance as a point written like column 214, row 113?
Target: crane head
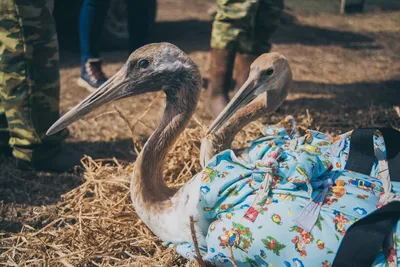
column 270, row 74
column 151, row 68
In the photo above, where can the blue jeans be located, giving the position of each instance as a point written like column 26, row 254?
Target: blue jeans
column 91, row 21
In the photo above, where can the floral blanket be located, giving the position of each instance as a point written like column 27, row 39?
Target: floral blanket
column 289, row 201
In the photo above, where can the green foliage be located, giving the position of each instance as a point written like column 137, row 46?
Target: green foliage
column 318, row 224
column 273, row 245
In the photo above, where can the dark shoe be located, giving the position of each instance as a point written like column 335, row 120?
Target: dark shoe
column 92, row 77
column 5, row 150
column 64, row 160
column 242, row 68
column 221, row 67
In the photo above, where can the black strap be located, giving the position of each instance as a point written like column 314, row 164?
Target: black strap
column 365, row 238
column 362, row 157
column 392, row 142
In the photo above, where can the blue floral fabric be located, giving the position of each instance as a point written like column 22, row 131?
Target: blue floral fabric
column 299, row 215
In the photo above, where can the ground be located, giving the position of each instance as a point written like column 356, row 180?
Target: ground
column 346, row 72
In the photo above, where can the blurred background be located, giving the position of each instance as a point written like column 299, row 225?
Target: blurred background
column 115, row 33
column 346, row 66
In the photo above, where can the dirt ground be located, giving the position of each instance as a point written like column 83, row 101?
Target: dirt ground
column 346, row 72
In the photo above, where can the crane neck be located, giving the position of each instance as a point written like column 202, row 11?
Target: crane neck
column 148, row 188
column 264, row 104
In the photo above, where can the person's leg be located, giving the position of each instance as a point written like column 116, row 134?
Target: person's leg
column 231, row 21
column 29, row 81
column 242, row 68
column 220, row 77
column 267, row 21
column 91, row 22
column 139, row 15
column 12, row 69
column 264, row 22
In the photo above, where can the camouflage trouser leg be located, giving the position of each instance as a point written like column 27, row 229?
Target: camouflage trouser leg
column 245, row 25
column 29, row 76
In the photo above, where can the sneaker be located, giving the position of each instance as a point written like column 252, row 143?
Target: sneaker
column 92, row 77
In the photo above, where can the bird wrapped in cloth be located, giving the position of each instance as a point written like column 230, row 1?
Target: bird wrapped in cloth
column 167, row 212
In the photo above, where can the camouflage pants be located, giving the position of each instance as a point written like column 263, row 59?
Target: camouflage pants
column 245, row 25
column 29, row 78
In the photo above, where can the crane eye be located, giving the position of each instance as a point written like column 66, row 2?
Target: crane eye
column 144, row 63
column 268, row 72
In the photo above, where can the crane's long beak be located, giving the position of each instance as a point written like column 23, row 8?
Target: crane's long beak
column 111, row 90
column 245, row 95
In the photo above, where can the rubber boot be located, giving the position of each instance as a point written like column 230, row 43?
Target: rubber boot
column 63, row 160
column 221, row 68
column 242, row 68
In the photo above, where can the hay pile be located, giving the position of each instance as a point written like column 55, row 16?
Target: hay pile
column 95, row 226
